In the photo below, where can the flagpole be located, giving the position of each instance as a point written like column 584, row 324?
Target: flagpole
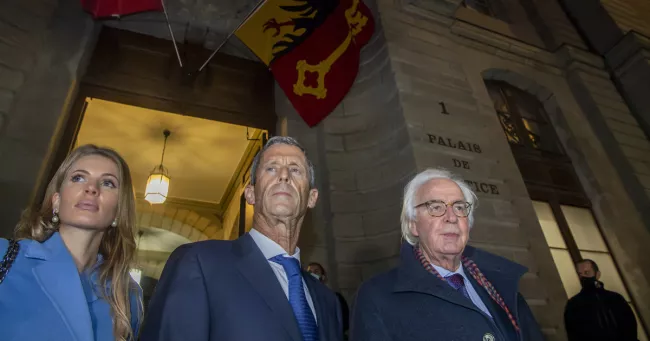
column 214, row 53
column 171, row 32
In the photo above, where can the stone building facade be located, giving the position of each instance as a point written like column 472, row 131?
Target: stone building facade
column 420, row 94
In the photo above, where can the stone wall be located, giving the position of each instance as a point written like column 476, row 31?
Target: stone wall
column 552, row 24
column 630, row 14
column 363, row 159
column 43, row 46
column 382, row 134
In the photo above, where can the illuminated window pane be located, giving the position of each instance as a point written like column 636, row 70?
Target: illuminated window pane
column 549, row 225
column 608, row 273
column 508, row 127
column 567, row 271
column 584, row 229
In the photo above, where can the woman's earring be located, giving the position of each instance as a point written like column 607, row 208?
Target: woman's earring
column 55, row 216
column 114, row 224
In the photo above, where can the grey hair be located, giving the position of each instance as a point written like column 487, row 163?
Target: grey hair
column 288, row 141
column 411, row 190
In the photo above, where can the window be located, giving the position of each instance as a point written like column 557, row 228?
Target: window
column 523, row 118
column 562, row 208
column 572, row 235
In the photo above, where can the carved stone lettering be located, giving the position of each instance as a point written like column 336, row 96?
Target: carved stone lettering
column 451, row 143
column 460, row 164
column 444, row 108
column 482, row 187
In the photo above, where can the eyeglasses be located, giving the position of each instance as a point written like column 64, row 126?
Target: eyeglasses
column 437, row 208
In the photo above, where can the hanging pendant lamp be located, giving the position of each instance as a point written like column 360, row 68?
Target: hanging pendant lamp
column 158, row 182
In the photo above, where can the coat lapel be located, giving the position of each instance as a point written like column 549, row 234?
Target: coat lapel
column 502, row 273
column 59, row 279
column 412, row 277
column 320, row 306
column 255, row 268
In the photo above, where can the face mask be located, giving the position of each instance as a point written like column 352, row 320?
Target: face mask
column 317, row 276
column 588, row 282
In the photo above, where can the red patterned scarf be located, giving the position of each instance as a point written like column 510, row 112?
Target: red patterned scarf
column 471, row 267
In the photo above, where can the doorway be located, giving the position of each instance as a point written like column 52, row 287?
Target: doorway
column 132, row 91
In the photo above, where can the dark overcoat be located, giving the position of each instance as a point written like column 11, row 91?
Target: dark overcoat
column 409, row 303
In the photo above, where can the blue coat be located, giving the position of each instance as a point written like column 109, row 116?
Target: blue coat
column 42, row 297
column 409, row 303
column 225, row 290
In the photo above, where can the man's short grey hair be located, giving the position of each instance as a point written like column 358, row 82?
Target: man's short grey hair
column 410, row 192
column 288, row 141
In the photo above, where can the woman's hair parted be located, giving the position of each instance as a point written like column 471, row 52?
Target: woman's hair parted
column 117, row 246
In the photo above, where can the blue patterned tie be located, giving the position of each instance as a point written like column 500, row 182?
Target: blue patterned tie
column 457, row 282
column 297, row 298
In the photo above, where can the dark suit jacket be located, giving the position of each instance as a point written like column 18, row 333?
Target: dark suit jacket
column 226, row 290
column 409, row 303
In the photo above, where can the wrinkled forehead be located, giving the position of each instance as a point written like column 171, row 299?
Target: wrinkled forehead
column 440, row 189
column 284, row 153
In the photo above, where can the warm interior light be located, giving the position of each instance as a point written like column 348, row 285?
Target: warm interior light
column 158, row 182
column 157, row 188
column 136, row 274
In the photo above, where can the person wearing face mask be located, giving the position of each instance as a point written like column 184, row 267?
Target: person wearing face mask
column 596, row 314
column 66, row 274
column 318, row 271
column 252, row 288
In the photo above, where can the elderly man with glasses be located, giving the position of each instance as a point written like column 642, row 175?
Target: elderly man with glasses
column 443, row 289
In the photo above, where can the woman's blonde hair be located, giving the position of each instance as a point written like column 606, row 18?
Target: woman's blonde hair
column 117, row 246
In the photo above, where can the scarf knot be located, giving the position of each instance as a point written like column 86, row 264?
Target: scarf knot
column 474, row 271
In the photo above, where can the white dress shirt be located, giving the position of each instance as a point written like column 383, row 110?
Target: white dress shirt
column 473, row 295
column 271, row 249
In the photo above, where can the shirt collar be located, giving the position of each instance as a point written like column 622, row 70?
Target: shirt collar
column 269, row 247
column 446, row 273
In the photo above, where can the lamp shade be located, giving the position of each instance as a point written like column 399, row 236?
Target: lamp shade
column 157, row 188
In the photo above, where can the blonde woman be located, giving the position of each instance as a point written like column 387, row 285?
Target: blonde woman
column 66, row 276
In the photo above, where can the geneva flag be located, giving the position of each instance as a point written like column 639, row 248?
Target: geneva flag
column 312, row 48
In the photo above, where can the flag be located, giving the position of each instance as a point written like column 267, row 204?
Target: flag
column 117, row 8
column 312, row 48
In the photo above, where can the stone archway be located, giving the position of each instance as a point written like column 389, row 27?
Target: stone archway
column 180, row 225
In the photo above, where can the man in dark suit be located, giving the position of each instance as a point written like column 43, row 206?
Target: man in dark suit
column 251, row 288
column 443, row 289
